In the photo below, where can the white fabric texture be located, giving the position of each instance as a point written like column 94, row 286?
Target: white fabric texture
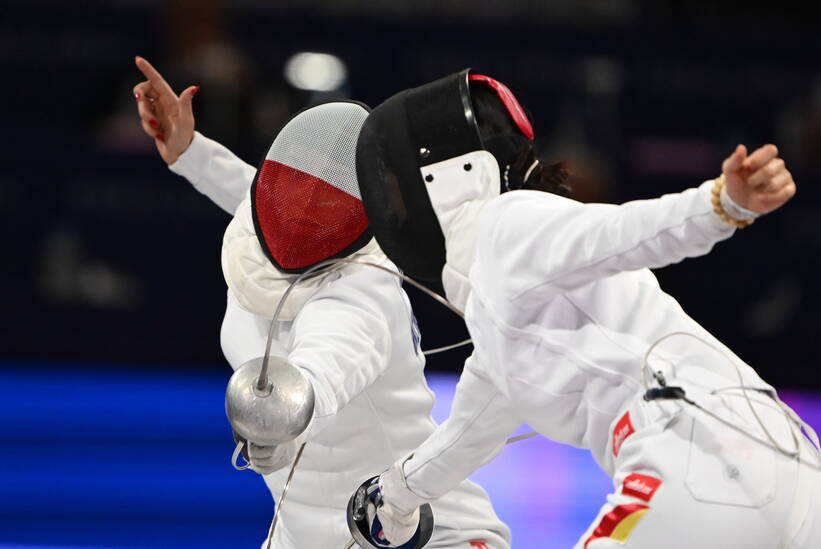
column 215, row 172
column 458, row 208
column 561, row 308
column 720, row 488
column 353, row 339
column 481, row 420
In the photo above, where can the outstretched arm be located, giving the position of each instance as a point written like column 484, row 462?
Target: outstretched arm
column 481, row 419
column 211, row 168
column 480, row 422
column 340, row 343
column 341, row 339
column 545, row 243
column 216, row 172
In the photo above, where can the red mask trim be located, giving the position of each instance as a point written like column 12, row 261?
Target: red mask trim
column 514, row 108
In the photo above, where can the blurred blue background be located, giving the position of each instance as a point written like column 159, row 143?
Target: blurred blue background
column 137, row 460
column 112, row 432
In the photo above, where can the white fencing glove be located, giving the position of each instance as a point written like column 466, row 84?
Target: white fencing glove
column 268, row 459
column 393, row 511
column 390, row 526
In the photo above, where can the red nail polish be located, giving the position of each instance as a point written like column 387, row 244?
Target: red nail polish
column 194, row 91
column 161, row 138
column 153, row 123
column 136, row 96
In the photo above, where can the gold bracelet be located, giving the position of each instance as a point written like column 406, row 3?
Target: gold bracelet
column 719, row 209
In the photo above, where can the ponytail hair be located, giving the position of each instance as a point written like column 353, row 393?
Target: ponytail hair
column 518, row 166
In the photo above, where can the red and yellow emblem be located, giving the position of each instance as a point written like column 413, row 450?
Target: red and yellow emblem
column 618, row 523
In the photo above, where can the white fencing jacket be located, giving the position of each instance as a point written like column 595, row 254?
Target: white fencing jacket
column 357, row 342
column 562, row 308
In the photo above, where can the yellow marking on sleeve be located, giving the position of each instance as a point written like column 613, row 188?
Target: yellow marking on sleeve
column 622, row 531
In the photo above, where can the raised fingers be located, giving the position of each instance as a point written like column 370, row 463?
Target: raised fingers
column 778, row 182
column 165, row 95
column 151, row 123
column 759, row 158
column 144, row 92
column 777, row 190
column 764, row 176
column 734, row 161
column 776, row 199
column 786, row 192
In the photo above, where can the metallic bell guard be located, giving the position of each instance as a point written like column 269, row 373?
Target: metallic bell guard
column 358, row 520
column 269, row 407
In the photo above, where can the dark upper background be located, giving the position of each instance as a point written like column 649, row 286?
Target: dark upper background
column 110, row 258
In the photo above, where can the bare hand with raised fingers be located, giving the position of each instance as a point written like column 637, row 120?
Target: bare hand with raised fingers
column 166, row 117
column 759, row 182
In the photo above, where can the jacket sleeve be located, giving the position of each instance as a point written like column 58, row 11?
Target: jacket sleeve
column 481, row 419
column 215, row 172
column 341, row 339
column 537, row 241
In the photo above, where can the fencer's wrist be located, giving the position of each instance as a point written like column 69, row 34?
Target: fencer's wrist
column 190, row 162
column 733, row 209
column 397, row 527
column 726, row 208
column 395, row 491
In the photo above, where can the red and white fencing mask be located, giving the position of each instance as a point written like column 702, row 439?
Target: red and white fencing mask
column 305, row 199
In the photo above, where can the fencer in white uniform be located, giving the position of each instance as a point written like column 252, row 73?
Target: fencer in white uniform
column 563, row 310
column 351, row 331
